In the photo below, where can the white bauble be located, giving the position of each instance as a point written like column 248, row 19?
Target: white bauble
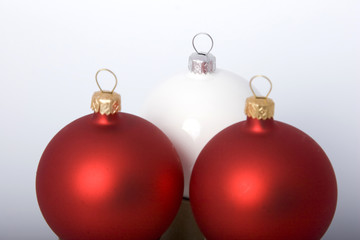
column 191, row 107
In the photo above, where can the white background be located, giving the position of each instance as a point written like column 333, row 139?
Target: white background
column 50, row 51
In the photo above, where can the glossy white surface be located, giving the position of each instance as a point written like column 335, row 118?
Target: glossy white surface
column 191, row 108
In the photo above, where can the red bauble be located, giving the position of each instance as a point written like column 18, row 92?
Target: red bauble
column 263, row 179
column 109, row 177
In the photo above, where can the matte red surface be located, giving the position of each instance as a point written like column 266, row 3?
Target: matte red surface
column 263, row 179
column 109, row 177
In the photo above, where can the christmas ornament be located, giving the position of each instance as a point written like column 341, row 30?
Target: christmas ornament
column 109, row 175
column 263, row 179
column 193, row 106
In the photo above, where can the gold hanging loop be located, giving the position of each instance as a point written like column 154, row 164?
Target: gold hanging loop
column 252, row 90
column 97, row 82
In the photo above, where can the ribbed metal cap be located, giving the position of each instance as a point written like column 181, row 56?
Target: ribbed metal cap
column 202, row 62
column 259, row 107
column 199, row 63
column 106, row 102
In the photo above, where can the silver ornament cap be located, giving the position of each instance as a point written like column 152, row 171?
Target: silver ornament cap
column 202, row 62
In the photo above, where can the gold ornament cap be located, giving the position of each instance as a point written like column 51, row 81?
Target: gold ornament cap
column 259, row 107
column 106, row 102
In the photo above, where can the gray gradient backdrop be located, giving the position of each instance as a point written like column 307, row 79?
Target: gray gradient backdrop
column 50, row 51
